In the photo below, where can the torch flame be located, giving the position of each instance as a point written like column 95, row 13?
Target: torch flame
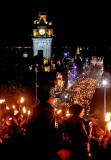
column 107, row 117
column 29, row 112
column 24, row 109
column 59, row 111
column 7, row 108
column 67, row 114
column 109, row 126
column 2, row 101
column 13, row 106
column 21, row 99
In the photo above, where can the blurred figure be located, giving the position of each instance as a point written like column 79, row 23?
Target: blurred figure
column 75, row 127
column 106, row 152
column 41, row 129
column 96, row 142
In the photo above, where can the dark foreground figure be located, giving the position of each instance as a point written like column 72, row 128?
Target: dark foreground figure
column 41, row 131
column 75, row 127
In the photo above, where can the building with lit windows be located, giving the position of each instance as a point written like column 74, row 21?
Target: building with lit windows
column 42, row 36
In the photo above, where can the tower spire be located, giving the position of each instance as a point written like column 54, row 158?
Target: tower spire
column 42, row 36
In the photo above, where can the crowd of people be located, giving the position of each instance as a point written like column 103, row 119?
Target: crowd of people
column 82, row 139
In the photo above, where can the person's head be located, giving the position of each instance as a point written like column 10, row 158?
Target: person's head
column 43, row 94
column 77, row 110
column 107, row 142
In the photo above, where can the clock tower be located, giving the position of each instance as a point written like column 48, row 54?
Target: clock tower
column 42, row 36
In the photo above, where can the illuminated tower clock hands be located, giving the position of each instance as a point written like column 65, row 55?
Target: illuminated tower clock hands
column 42, row 31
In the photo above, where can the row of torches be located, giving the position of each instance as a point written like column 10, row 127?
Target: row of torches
column 21, row 106
column 8, row 113
column 23, row 112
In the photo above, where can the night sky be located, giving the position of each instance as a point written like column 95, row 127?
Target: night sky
column 73, row 22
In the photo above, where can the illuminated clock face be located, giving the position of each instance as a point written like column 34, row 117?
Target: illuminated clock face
column 42, row 31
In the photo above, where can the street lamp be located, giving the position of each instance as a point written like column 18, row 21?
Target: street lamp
column 104, row 82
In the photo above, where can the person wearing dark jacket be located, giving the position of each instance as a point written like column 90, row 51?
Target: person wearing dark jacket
column 41, row 129
column 75, row 127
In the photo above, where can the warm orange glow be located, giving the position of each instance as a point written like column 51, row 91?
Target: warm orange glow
column 35, row 22
column 51, row 100
column 109, row 126
column 67, row 114
column 1, row 140
column 24, row 109
column 59, row 111
column 47, row 69
column 13, row 106
column 35, row 33
column 16, row 112
column 50, row 23
column 56, row 124
column 8, row 115
column 43, row 17
column 29, row 112
column 36, row 69
column 21, row 99
column 55, row 109
column 107, row 116
column 60, row 83
column 53, row 66
column 2, row 101
column 49, row 33
column 30, row 68
column 45, row 61
column 7, row 108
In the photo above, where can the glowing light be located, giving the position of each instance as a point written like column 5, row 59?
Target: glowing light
column 56, row 124
column 35, row 33
column 16, row 112
column 35, row 22
column 55, row 109
column 30, row 68
column 2, row 101
column 65, row 54
column 107, row 117
column 50, row 23
column 29, row 112
column 75, row 66
column 42, row 31
column 47, row 68
column 104, row 82
column 66, row 96
column 67, row 114
column 13, row 106
column 74, row 75
column 24, row 109
column 59, row 111
column 45, row 61
column 1, row 140
column 69, row 84
column 10, row 118
column 23, row 114
column 7, row 108
column 109, row 126
column 21, row 99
